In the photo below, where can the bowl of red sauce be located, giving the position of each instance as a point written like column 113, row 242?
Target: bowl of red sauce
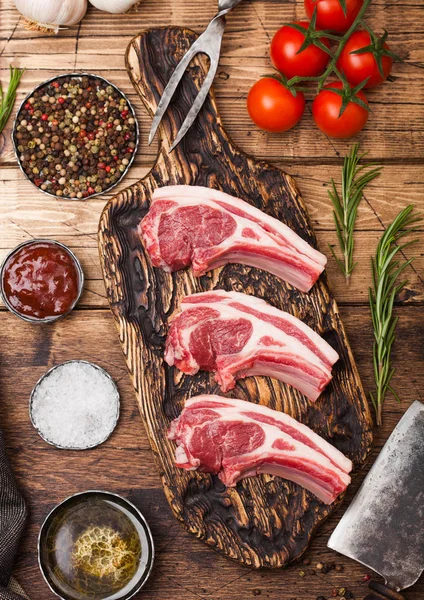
column 41, row 281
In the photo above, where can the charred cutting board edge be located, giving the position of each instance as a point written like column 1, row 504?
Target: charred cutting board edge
column 265, row 521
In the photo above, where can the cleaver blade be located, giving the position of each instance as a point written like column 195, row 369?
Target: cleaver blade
column 383, row 528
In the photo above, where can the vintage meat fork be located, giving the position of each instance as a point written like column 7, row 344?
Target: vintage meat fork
column 208, row 43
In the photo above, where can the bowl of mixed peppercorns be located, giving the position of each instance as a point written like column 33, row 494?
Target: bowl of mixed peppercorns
column 75, row 136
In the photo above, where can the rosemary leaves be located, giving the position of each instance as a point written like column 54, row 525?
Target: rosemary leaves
column 7, row 100
column 386, row 270
column 354, row 179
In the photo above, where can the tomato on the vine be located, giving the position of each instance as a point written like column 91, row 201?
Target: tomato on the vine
column 284, row 47
column 357, row 67
column 330, row 15
column 273, row 107
column 326, row 113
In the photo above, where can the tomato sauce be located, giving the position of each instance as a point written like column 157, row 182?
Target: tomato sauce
column 41, row 280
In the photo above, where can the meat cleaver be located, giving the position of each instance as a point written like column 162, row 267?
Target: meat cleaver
column 383, row 528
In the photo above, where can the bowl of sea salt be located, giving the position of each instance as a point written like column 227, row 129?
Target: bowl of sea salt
column 75, row 405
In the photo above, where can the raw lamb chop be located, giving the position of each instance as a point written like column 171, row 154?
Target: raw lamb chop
column 207, row 228
column 238, row 439
column 237, row 335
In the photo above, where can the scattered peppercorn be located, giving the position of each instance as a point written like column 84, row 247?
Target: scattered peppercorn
column 319, row 566
column 339, row 568
column 334, row 593
column 321, row 598
column 306, row 561
column 366, row 578
column 342, row 591
column 65, row 126
column 330, row 566
column 302, row 573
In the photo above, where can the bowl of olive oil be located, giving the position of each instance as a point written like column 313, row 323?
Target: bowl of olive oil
column 95, row 545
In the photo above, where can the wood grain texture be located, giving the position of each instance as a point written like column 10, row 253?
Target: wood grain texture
column 185, row 569
column 265, row 521
column 394, row 132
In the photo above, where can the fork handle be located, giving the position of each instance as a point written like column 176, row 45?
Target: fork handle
column 380, row 591
column 227, row 4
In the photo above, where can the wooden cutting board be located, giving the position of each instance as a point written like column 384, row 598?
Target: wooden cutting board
column 265, row 521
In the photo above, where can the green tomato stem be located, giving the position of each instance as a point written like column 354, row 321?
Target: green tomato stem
column 331, row 67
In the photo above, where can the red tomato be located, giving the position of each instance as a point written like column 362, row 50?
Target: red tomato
column 326, row 109
column 330, row 15
column 284, row 46
column 273, row 107
column 358, row 67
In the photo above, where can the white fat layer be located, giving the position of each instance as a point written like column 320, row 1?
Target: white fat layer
column 287, row 344
column 298, row 278
column 187, row 195
column 233, row 468
column 315, row 486
column 266, row 239
column 292, row 375
column 240, row 407
column 265, row 308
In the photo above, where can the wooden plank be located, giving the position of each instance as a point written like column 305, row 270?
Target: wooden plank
column 261, row 16
column 94, row 295
column 185, row 569
column 234, row 79
column 395, row 126
column 385, row 197
column 27, row 213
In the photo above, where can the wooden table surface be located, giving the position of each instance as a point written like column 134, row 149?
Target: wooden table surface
column 185, row 568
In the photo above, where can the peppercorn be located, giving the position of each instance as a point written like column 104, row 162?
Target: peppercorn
column 78, row 118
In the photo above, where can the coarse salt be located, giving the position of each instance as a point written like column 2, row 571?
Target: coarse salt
column 75, row 405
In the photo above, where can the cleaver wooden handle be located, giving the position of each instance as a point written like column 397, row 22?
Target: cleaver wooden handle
column 380, row 591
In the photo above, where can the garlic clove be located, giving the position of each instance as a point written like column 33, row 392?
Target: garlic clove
column 49, row 15
column 114, row 6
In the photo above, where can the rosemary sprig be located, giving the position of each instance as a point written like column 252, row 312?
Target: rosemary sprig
column 354, row 179
column 7, row 100
column 386, row 269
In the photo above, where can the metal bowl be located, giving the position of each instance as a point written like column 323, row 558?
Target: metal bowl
column 76, row 75
column 117, row 399
column 63, row 511
column 77, row 266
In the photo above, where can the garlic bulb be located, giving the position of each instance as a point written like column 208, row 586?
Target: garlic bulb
column 48, row 15
column 114, row 6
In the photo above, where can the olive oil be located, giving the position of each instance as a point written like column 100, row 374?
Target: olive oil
column 94, row 547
